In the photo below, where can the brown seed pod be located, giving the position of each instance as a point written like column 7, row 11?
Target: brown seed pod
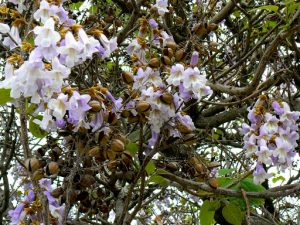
column 142, row 106
column 109, row 19
column 52, row 168
column 213, row 182
column 127, row 77
column 38, row 174
column 200, row 29
column 126, row 157
column 167, row 98
column 96, row 106
column 184, row 129
column 166, row 60
column 154, row 62
column 193, row 160
column 133, row 119
column 173, row 166
column 94, row 152
column 117, row 145
column 179, row 55
column 32, row 164
column 112, row 165
column 171, row 44
column 170, row 53
column 189, row 139
column 125, row 113
column 199, row 167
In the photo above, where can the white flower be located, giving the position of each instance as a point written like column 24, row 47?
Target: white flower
column 89, row 43
column 176, row 75
column 46, row 35
column 45, row 11
column 161, row 6
column 14, row 33
column 71, row 50
column 109, row 45
column 4, row 28
column 58, row 106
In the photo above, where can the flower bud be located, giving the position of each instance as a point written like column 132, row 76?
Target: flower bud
column 194, row 58
column 117, row 145
column 171, row 44
column 52, row 168
column 32, row 164
column 213, row 182
column 127, row 77
column 167, row 98
column 179, row 55
column 142, row 106
column 199, row 168
column 96, row 106
column 154, row 62
column 166, row 60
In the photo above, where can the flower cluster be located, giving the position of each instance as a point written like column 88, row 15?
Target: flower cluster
column 272, row 136
column 31, row 207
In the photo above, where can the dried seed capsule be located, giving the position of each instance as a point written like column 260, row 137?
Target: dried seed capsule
column 199, row 168
column 166, row 60
column 154, row 62
column 213, row 182
column 117, row 145
column 57, row 192
column 87, row 180
column 96, row 106
column 52, row 168
column 179, row 55
column 166, row 98
column 142, row 106
column 32, row 164
column 171, row 44
column 212, row 27
column 127, row 77
column 94, row 152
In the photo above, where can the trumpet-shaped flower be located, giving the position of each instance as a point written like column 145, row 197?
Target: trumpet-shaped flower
column 14, row 40
column 45, row 11
column 46, row 35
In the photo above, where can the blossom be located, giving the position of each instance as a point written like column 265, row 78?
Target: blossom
column 260, row 175
column 89, row 43
column 46, row 35
column 59, row 106
column 194, row 58
column 71, row 50
column 108, row 45
column 17, row 215
column 57, row 212
column 4, row 28
column 177, row 74
column 45, row 11
column 161, row 6
column 14, row 40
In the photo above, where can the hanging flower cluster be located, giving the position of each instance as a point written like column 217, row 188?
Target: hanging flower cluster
column 272, row 136
column 31, row 206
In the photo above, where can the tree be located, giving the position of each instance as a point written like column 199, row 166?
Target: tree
column 149, row 112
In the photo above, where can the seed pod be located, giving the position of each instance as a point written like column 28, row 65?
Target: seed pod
column 127, row 77
column 94, row 152
column 117, row 145
column 179, row 55
column 133, row 119
column 38, row 174
column 193, row 160
column 199, row 168
column 200, row 29
column 184, row 129
column 96, row 106
column 213, row 182
column 109, row 19
column 32, row 164
column 173, row 166
column 166, row 98
column 166, row 60
column 52, row 168
column 125, row 113
column 142, row 106
column 126, row 157
column 122, row 138
column 171, row 44
column 154, row 62
column 112, row 165
column 170, row 53
column 189, row 139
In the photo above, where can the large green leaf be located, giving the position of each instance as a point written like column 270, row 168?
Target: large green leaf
column 150, row 167
column 273, row 8
column 233, row 214
column 132, row 148
column 35, row 128
column 224, row 171
column 5, row 96
column 158, row 180
column 207, row 212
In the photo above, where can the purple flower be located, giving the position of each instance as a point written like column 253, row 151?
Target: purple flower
column 153, row 24
column 195, row 58
column 17, row 215
column 260, row 175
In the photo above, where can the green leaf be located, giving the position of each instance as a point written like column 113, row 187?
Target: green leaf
column 232, row 214
column 35, row 128
column 158, row 180
column 207, row 212
column 93, row 9
column 273, row 8
column 150, row 167
column 5, row 96
column 132, row 148
column 224, row 171
column 75, row 6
